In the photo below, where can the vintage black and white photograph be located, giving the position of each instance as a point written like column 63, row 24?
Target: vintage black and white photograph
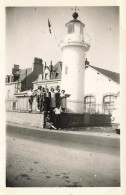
column 62, row 98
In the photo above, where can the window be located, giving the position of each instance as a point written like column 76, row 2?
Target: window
column 14, row 106
column 8, row 93
column 66, row 70
column 81, row 29
column 109, row 103
column 8, row 79
column 46, row 76
column 57, row 73
column 70, row 28
column 90, row 104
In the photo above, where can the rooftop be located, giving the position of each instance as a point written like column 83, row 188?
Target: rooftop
column 110, row 74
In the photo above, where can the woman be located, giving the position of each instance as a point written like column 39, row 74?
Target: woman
column 41, row 104
column 43, row 98
column 47, row 100
column 38, row 97
column 63, row 100
column 53, row 99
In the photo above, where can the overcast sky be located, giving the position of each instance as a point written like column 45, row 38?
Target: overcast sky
column 27, row 35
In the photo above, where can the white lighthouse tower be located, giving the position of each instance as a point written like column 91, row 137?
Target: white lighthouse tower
column 73, row 58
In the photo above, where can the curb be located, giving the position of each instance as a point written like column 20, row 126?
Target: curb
column 84, row 132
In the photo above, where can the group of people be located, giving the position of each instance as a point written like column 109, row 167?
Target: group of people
column 51, row 102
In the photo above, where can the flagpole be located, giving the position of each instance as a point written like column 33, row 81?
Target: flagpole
column 53, row 31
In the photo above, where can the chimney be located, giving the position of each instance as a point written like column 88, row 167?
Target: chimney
column 51, row 70
column 51, row 66
column 86, row 62
column 15, row 69
column 37, row 65
column 15, row 73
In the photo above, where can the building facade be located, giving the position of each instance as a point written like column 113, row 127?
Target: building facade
column 102, row 89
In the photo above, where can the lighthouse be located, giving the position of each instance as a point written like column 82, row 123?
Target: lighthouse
column 73, row 51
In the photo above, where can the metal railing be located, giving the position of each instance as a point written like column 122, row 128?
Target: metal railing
column 98, row 108
column 22, row 104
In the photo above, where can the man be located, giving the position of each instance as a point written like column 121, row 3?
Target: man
column 57, row 112
column 47, row 100
column 30, row 100
column 58, row 98
column 38, row 97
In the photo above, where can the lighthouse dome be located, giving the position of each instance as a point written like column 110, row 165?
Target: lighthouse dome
column 75, row 20
column 75, row 15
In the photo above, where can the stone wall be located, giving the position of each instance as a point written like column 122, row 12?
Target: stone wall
column 67, row 120
column 25, row 119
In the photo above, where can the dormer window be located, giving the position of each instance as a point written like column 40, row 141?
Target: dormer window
column 46, row 76
column 57, row 73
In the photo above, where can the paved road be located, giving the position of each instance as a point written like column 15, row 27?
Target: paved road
column 82, row 142
column 47, row 158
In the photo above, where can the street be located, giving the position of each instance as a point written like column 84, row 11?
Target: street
column 56, row 159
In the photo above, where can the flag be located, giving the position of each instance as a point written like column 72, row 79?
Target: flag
column 50, row 30
column 49, row 25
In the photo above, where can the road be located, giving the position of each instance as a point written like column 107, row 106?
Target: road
column 53, row 159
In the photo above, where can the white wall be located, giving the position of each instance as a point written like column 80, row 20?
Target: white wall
column 9, row 90
column 99, row 85
column 73, row 81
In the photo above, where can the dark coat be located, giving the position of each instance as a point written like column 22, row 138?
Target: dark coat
column 57, row 98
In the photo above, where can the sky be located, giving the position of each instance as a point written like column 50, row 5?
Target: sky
column 27, row 35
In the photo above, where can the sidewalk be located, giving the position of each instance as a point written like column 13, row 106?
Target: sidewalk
column 35, row 122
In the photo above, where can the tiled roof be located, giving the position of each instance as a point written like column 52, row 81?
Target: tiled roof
column 57, row 69
column 57, row 66
column 111, row 75
column 27, row 81
column 23, row 73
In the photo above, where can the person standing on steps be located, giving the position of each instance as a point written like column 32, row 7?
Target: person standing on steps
column 30, row 100
column 63, row 101
column 52, row 104
column 38, row 98
column 47, row 100
column 57, row 112
column 41, row 100
column 58, row 98
column 53, row 99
